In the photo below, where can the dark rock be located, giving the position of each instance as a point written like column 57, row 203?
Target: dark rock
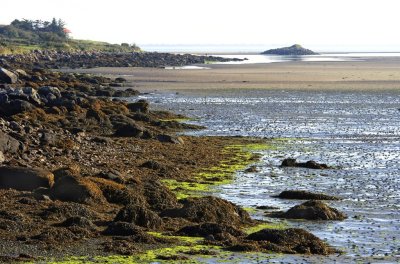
column 75, row 189
column 312, row 210
column 292, row 240
column 139, row 106
column 122, row 229
column 139, row 215
column 120, row 80
column 78, row 221
column 251, row 169
column 304, row 195
column 112, row 175
column 170, row 139
column 25, row 179
column 16, row 106
column 154, row 165
column 295, row 50
column 131, row 130
column 158, row 196
column 309, row 164
column 7, row 77
column 102, row 140
column 206, row 229
column 210, row 209
column 9, row 144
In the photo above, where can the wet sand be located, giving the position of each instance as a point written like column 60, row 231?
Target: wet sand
column 382, row 73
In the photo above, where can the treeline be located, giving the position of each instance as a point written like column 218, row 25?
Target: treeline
column 36, row 30
column 26, row 35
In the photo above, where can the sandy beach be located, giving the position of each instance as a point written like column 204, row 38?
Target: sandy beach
column 381, row 73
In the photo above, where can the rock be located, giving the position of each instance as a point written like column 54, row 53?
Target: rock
column 122, row 229
column 78, row 221
column 120, row 80
column 75, row 189
column 9, row 144
column 112, row 175
column 292, row 50
column 131, row 130
column 139, row 215
column 292, row 240
column 312, row 210
column 251, row 169
column 139, row 106
column 158, row 196
column 46, row 91
column 304, row 195
column 309, row 164
column 206, row 229
column 170, row 139
column 2, row 158
column 72, row 170
column 7, row 77
column 154, row 165
column 25, row 179
column 16, row 106
column 210, row 209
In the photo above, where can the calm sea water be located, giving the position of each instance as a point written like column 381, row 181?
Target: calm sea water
column 357, row 132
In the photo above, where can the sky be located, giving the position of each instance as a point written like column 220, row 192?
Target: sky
column 324, row 25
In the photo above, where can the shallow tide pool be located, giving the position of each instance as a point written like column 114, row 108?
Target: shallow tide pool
column 358, row 133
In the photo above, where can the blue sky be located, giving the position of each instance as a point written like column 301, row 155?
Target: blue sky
column 320, row 24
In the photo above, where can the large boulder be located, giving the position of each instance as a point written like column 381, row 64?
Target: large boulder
column 9, row 144
column 75, row 189
column 210, row 209
column 312, row 210
column 7, row 77
column 292, row 240
column 304, row 195
column 25, row 179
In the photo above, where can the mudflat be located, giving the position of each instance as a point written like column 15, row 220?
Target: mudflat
column 374, row 73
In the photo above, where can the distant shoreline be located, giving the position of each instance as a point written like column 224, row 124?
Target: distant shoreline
column 374, row 74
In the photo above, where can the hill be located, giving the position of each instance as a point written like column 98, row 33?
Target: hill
column 292, row 50
column 23, row 36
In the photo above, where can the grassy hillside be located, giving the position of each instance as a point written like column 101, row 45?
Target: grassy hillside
column 22, row 36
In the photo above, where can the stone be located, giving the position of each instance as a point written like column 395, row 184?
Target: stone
column 304, row 195
column 139, row 106
column 170, row 139
column 75, row 189
column 210, row 209
column 139, row 215
column 291, row 240
column 309, row 164
column 206, row 229
column 312, row 210
column 25, row 179
column 7, row 76
column 130, row 130
column 9, row 144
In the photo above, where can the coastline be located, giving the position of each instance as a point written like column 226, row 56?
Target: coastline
column 174, row 165
column 374, row 74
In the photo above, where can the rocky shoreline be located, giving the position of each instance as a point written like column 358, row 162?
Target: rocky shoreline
column 85, row 173
column 50, row 59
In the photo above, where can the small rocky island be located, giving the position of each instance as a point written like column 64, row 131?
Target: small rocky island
column 296, row 49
